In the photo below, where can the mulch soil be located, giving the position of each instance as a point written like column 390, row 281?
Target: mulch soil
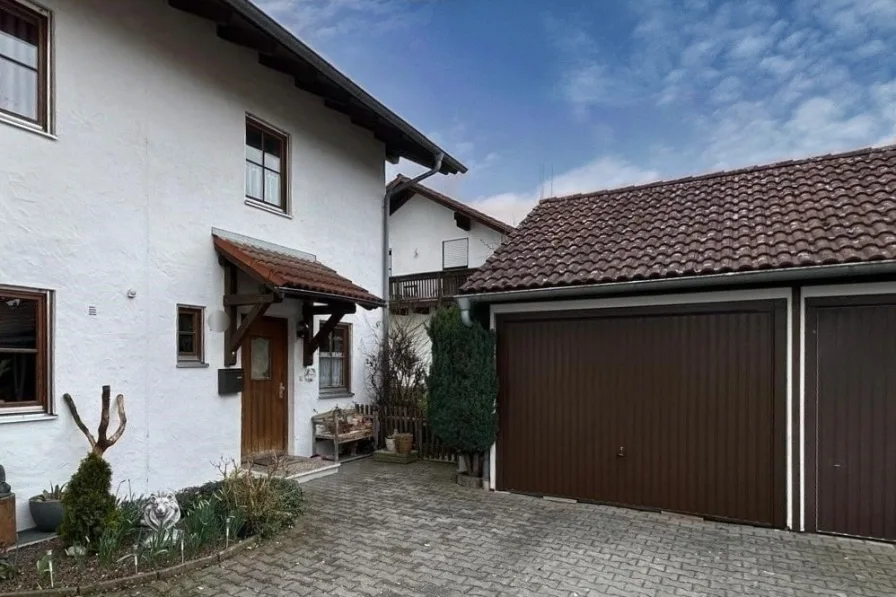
column 69, row 571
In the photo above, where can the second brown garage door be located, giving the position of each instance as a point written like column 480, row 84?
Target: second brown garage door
column 679, row 408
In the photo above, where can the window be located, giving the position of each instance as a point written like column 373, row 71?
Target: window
column 24, row 350
column 455, row 253
column 189, row 334
column 24, row 52
column 335, row 359
column 266, row 165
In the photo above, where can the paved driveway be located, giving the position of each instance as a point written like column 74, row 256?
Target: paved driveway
column 390, row 530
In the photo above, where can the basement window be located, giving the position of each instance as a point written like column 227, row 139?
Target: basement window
column 24, row 351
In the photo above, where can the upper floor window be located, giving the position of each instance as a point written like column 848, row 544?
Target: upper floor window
column 266, row 165
column 455, row 253
column 24, row 350
column 24, row 52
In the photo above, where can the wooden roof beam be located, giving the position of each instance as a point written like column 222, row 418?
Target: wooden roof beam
column 248, row 37
column 213, row 10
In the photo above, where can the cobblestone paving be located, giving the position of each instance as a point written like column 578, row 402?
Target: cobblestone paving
column 391, row 530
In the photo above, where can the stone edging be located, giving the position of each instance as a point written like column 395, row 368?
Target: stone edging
column 143, row 577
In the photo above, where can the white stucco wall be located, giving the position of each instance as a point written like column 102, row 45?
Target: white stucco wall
column 150, row 109
column 416, row 233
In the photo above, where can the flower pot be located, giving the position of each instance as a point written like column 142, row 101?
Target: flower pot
column 47, row 514
column 403, row 443
column 390, row 444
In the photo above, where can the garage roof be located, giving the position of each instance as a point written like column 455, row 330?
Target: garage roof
column 241, row 22
column 828, row 210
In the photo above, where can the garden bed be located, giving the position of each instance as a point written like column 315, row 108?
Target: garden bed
column 130, row 544
column 89, row 576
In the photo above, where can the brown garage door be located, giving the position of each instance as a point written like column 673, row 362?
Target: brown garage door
column 680, row 408
column 851, row 385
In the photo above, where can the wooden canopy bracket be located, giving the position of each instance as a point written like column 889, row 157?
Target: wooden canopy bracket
column 311, row 344
column 234, row 334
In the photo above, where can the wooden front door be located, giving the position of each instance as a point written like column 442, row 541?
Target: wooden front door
column 265, row 397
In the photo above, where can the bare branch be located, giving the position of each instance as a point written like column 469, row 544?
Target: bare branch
column 99, row 446
column 74, row 410
column 104, row 417
column 122, row 421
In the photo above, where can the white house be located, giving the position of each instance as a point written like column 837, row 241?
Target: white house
column 435, row 242
column 181, row 182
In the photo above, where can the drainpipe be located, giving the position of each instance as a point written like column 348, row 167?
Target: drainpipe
column 387, row 199
column 463, row 304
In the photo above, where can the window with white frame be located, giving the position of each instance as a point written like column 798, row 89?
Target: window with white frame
column 24, row 63
column 455, row 253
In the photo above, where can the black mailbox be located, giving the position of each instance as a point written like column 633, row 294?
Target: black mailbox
column 230, row 381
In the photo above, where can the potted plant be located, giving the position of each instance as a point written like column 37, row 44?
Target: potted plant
column 46, row 509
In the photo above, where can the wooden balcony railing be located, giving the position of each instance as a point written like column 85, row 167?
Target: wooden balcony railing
column 427, row 287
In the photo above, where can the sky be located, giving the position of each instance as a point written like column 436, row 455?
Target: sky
column 552, row 97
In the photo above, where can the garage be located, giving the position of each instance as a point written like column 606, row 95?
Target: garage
column 851, row 410
column 678, row 408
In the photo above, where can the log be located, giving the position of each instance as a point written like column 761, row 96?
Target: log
column 7, row 521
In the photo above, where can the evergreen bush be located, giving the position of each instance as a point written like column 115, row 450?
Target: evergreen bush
column 462, row 386
column 88, row 502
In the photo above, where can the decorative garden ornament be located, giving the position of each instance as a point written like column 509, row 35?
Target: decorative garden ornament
column 161, row 514
column 5, row 489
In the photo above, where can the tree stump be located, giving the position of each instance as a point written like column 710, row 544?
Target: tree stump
column 8, row 520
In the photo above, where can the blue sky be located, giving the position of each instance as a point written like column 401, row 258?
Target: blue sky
column 604, row 93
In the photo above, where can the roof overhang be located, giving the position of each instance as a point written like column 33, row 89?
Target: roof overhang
column 462, row 211
column 796, row 275
column 241, row 22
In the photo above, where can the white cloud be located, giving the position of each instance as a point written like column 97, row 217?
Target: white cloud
column 605, row 172
column 318, row 20
column 754, row 83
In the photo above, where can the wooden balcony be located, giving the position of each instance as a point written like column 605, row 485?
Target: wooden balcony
column 426, row 288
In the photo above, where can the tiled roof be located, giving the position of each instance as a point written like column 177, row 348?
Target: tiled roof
column 828, row 210
column 453, row 204
column 281, row 269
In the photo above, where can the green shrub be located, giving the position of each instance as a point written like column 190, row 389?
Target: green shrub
column 266, row 504
column 187, row 498
column 88, row 502
column 121, row 529
column 462, row 386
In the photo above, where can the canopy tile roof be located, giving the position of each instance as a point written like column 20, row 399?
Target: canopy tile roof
column 285, row 269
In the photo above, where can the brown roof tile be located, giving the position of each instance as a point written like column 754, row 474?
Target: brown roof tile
column 446, row 201
column 283, row 270
column 826, row 210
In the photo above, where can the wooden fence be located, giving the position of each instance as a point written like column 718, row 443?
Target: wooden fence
column 409, row 419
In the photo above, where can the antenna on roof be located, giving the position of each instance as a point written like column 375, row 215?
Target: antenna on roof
column 552, row 180
column 541, row 183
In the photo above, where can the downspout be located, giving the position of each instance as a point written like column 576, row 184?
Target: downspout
column 463, row 304
column 387, row 200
